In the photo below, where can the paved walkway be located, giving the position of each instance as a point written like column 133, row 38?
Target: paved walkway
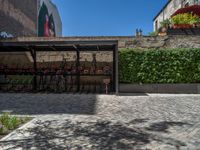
column 99, row 122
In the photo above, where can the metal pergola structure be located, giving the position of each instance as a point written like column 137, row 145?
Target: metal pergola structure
column 69, row 46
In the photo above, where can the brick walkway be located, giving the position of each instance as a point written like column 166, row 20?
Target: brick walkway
column 104, row 122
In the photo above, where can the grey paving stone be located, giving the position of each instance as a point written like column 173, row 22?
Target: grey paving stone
column 104, row 122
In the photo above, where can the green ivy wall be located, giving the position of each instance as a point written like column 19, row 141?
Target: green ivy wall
column 159, row 66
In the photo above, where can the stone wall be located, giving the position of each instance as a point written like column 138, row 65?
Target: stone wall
column 166, row 42
column 146, row 42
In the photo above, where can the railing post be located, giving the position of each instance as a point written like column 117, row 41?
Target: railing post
column 34, row 55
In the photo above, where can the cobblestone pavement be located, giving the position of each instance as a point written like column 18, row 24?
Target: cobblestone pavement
column 104, row 122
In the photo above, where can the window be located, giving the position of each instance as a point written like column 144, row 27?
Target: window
column 187, row 4
column 196, row 1
column 175, row 3
column 183, row 3
column 156, row 25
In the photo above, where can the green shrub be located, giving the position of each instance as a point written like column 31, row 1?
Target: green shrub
column 159, row 66
column 155, row 33
column 3, row 130
column 8, row 122
column 4, row 119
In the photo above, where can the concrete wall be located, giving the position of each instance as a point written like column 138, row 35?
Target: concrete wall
column 18, row 17
column 160, row 88
column 16, row 58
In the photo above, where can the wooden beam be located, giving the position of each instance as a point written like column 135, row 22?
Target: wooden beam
column 51, row 47
column 34, row 55
column 98, row 47
column 77, row 69
column 75, row 47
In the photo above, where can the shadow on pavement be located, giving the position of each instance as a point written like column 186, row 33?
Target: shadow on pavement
column 133, row 94
column 104, row 135
column 36, row 104
column 165, row 125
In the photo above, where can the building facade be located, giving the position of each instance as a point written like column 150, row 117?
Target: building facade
column 29, row 18
column 171, row 7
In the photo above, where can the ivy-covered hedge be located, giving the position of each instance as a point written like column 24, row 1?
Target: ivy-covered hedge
column 159, row 66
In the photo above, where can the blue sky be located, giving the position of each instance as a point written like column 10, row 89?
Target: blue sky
column 107, row 17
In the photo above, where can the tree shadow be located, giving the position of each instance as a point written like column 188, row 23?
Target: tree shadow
column 36, row 104
column 101, row 134
column 165, row 125
column 133, row 94
column 137, row 121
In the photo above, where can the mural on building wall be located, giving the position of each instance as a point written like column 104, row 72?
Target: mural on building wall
column 4, row 35
column 46, row 25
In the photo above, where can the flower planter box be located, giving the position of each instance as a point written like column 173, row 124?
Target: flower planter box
column 182, row 26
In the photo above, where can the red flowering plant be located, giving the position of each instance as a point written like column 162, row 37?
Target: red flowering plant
column 195, row 9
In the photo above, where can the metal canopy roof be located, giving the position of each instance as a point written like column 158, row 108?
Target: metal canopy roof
column 15, row 46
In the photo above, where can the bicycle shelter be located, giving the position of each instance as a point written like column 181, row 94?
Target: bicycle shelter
column 63, row 66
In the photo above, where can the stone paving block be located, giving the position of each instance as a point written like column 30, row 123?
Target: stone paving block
column 154, row 122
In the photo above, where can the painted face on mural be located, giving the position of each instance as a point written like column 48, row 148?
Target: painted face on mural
column 52, row 30
column 47, row 18
column 4, row 34
column 46, row 26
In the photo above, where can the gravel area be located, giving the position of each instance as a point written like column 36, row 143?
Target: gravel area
column 104, row 122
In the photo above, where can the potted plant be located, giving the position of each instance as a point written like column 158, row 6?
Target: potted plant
column 175, row 21
column 185, row 20
column 165, row 24
column 197, row 24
